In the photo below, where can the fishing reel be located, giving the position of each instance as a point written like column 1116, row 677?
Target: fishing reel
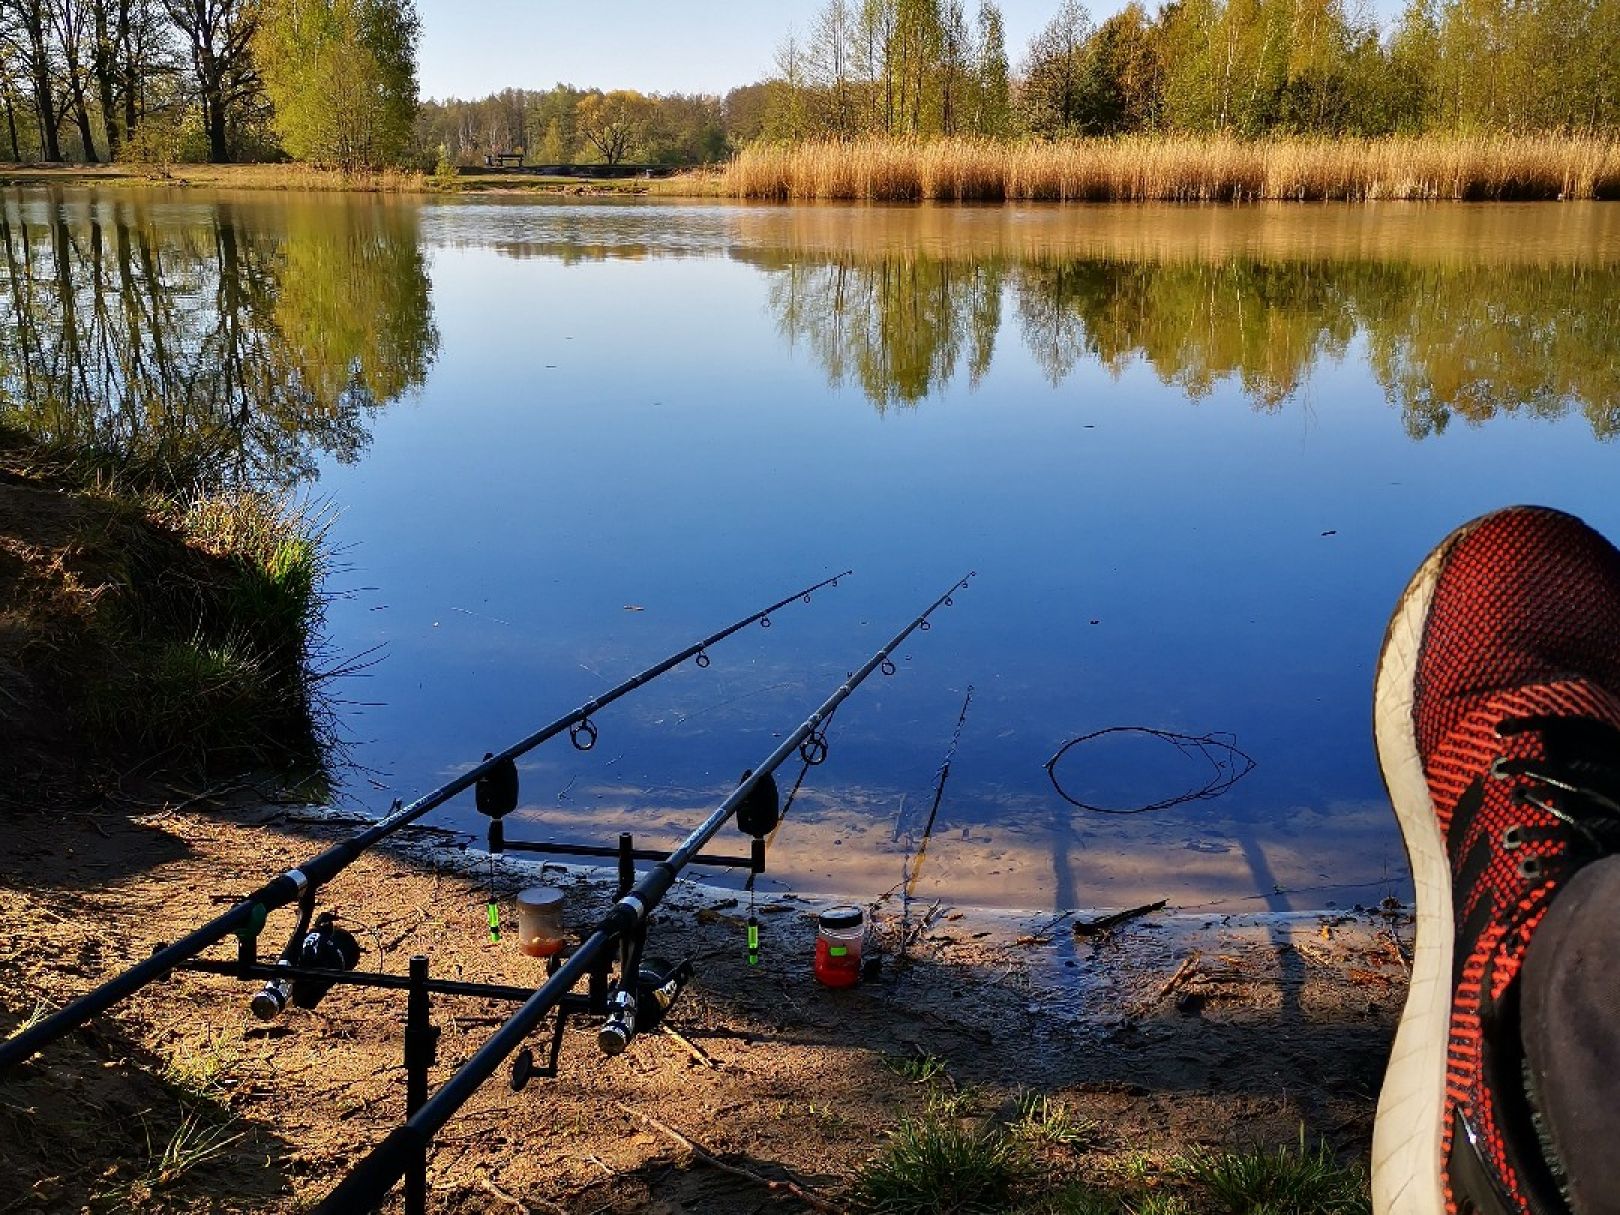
column 632, row 1012
column 324, row 947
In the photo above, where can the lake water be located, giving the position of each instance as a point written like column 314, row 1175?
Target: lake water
column 1193, row 454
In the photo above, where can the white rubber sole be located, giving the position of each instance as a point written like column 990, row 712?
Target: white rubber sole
column 1407, row 1162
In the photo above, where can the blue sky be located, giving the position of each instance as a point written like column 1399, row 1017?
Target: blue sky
column 471, row 48
column 474, row 47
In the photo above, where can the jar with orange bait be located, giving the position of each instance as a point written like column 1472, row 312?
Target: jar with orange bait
column 840, row 932
column 540, row 925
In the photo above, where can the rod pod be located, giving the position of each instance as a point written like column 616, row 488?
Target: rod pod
column 246, row 918
column 368, row 1183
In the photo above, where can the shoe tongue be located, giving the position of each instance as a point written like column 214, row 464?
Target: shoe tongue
column 1585, row 751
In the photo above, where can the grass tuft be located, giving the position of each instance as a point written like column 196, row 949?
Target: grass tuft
column 202, row 1068
column 938, row 1167
column 1285, row 1181
column 919, row 1068
column 1049, row 1120
column 195, row 1142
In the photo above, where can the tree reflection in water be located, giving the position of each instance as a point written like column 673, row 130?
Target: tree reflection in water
column 1444, row 339
column 232, row 342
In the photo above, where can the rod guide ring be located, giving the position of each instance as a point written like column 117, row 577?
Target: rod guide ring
column 813, row 750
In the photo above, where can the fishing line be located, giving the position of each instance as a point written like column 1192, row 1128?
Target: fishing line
column 1228, row 765
column 913, row 866
column 812, row 754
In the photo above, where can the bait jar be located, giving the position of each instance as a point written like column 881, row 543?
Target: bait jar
column 839, row 933
column 540, row 926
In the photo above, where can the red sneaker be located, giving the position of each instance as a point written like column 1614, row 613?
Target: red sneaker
column 1498, row 730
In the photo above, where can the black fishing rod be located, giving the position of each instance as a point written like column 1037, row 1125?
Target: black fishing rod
column 246, row 919
column 366, row 1186
column 940, row 777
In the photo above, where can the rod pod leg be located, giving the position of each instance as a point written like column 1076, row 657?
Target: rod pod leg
column 421, row 1051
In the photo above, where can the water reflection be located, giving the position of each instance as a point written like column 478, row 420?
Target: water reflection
column 1443, row 342
column 232, row 341
column 1461, row 312
column 898, row 326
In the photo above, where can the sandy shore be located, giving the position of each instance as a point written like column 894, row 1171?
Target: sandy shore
column 1170, row 1031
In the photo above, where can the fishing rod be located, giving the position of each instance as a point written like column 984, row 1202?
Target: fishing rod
column 940, row 777
column 913, row 867
column 403, row 1152
column 247, row 918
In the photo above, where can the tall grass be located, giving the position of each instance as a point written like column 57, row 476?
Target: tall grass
column 1171, row 169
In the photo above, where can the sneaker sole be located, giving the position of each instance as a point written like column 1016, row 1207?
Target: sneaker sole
column 1408, row 1163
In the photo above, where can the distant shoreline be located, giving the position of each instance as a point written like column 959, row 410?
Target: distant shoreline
column 1145, row 169
column 292, row 178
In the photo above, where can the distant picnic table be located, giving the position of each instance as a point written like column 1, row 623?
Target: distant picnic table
column 500, row 160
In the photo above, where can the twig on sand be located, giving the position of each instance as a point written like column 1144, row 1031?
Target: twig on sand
column 913, row 935
column 1092, row 928
column 1185, row 971
column 1398, row 946
column 693, row 1049
column 810, row 1199
column 496, row 1192
column 1050, row 924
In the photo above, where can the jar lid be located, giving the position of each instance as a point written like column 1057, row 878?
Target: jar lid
column 542, row 898
column 842, row 917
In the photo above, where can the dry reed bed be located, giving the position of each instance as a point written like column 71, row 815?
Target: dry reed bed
column 1173, row 169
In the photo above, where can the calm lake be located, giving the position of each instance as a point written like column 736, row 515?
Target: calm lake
column 1193, row 454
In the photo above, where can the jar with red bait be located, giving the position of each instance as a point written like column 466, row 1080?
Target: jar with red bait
column 839, row 933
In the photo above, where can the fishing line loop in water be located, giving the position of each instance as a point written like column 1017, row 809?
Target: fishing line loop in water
column 1228, row 764
column 582, row 734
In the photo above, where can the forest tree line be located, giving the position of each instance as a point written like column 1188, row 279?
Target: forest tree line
column 331, row 81
column 1234, row 67
column 1249, row 68
column 334, row 81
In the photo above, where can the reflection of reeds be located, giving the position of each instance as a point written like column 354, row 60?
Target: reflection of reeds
column 1173, row 169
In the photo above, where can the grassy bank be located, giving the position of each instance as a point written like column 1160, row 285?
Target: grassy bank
column 147, row 630
column 296, row 177
column 1169, row 169
column 218, row 177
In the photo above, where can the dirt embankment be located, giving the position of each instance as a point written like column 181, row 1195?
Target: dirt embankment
column 1165, row 1033
column 149, row 631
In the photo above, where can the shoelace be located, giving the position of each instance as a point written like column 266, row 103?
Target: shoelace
column 1592, row 815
